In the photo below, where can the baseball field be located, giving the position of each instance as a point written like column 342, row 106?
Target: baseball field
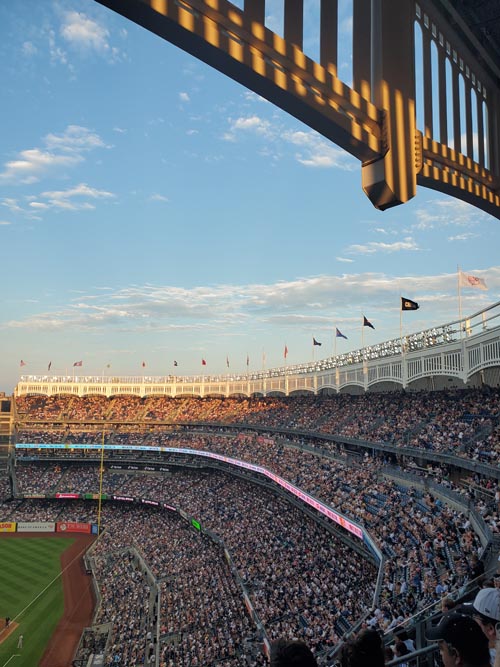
column 40, row 591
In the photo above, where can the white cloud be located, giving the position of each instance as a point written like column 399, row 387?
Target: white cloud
column 184, row 97
column 158, row 197
column 373, row 247
column 65, row 199
column 81, row 31
column 344, row 259
column 220, row 307
column 61, row 151
column 12, row 205
column 75, row 138
column 462, row 237
column 4, row 223
column 250, row 96
column 318, row 152
column 29, row 49
column 314, row 150
column 33, row 163
column 253, row 123
column 448, row 212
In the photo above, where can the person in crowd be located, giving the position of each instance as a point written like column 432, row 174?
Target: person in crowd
column 291, row 653
column 401, row 649
column 486, row 612
column 461, row 642
column 364, row 651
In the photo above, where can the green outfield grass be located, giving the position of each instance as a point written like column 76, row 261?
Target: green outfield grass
column 31, row 593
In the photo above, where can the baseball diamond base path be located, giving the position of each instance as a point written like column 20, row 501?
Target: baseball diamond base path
column 79, row 599
column 78, row 605
column 6, row 632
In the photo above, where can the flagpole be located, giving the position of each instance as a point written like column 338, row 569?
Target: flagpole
column 362, row 332
column 286, row 374
column 335, row 343
column 101, row 470
column 459, row 300
column 401, row 322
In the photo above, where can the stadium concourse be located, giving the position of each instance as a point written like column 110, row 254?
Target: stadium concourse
column 204, row 556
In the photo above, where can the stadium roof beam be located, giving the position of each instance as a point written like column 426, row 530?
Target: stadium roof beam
column 375, row 119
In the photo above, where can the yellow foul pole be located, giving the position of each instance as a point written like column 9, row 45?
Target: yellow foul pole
column 101, row 472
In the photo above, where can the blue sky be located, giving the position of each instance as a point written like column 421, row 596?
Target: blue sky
column 152, row 209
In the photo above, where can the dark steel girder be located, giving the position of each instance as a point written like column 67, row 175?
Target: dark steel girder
column 228, row 40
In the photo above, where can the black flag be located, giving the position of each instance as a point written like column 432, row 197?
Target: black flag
column 408, row 304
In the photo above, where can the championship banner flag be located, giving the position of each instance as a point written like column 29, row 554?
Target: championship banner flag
column 78, row 363
column 22, row 363
column 466, row 280
column 367, row 323
column 285, row 353
column 408, row 304
column 49, row 366
column 175, row 363
column 203, row 362
column 227, row 362
column 339, row 334
column 315, row 342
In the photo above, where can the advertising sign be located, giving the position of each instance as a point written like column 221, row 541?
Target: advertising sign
column 7, row 526
column 72, row 527
column 35, row 527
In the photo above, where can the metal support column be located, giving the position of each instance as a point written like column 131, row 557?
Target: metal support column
column 392, row 179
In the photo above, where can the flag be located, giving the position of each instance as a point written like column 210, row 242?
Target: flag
column 175, row 363
column 466, row 280
column 227, row 362
column 366, row 323
column 22, row 363
column 78, row 363
column 339, row 334
column 315, row 342
column 285, row 353
column 144, row 364
column 248, row 360
column 108, row 365
column 49, row 366
column 408, row 304
column 203, row 362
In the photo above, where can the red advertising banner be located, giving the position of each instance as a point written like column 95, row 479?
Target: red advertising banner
column 72, row 527
column 67, row 495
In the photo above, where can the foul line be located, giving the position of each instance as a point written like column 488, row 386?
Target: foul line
column 15, row 655
column 78, row 555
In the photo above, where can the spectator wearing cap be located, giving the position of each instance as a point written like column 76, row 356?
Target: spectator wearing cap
column 461, row 641
column 486, row 611
column 291, row 653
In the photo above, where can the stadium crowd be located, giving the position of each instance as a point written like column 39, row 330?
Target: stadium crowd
column 461, row 422
column 430, row 549
column 428, row 546
column 301, row 580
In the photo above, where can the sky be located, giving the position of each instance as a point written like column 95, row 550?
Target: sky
column 153, row 210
